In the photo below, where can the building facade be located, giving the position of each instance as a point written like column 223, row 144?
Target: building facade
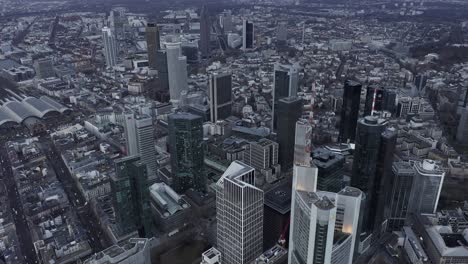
column 220, row 85
column 187, row 151
column 289, row 112
column 110, row 48
column 239, row 206
column 153, row 44
column 350, row 111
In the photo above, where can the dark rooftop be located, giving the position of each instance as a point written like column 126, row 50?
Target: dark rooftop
column 279, row 198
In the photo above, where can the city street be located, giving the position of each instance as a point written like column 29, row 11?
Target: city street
column 22, row 229
column 96, row 240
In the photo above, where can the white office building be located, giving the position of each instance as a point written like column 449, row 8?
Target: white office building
column 324, row 225
column 177, row 71
column 239, row 206
column 139, row 137
column 428, row 185
column 110, row 48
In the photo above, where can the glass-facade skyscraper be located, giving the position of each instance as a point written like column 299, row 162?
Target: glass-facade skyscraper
column 187, row 151
column 130, row 195
column 289, row 112
column 153, row 44
column 373, row 157
column 350, row 111
column 220, row 89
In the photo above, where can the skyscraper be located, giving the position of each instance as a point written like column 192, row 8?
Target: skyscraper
column 289, row 111
column 302, row 142
column 330, row 169
column 462, row 129
column 399, row 193
column 226, row 21
column 161, row 67
column 44, row 68
column 130, row 135
column 247, row 35
column 139, row 136
column 110, row 49
column 220, row 85
column 282, row 33
column 429, row 180
column 263, row 156
column 177, row 71
column 350, row 111
column 187, row 151
column 285, row 84
column 323, row 225
column 205, row 29
column 153, row 44
column 130, row 195
column 372, row 157
column 239, row 214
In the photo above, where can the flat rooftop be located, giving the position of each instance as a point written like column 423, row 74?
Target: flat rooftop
column 279, row 198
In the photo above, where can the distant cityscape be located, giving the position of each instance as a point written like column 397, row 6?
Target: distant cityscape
column 234, row 132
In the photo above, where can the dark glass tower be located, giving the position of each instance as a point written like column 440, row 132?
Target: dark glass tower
column 248, row 35
column 204, row 32
column 161, row 67
column 330, row 169
column 350, row 111
column 187, row 151
column 131, row 195
column 285, row 84
column 373, row 157
column 220, row 96
column 289, row 111
column 398, row 196
column 152, row 43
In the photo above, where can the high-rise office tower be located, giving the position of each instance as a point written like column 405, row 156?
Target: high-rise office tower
column 346, row 225
column 205, row 29
column 226, row 21
column 330, row 169
column 420, row 82
column 117, row 19
column 462, row 129
column 263, row 156
column 285, row 84
column 373, row 156
column 429, row 180
column 139, row 135
column 374, row 100
column 289, row 111
column 302, row 142
column 161, row 67
column 282, row 33
column 177, row 71
column 398, row 197
column 247, row 35
column 153, row 44
column 130, row 195
column 110, row 49
column 239, row 214
column 187, row 151
column 323, row 225
column 350, row 111
column 44, row 68
column 220, row 85
column 388, row 140
column 130, row 135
